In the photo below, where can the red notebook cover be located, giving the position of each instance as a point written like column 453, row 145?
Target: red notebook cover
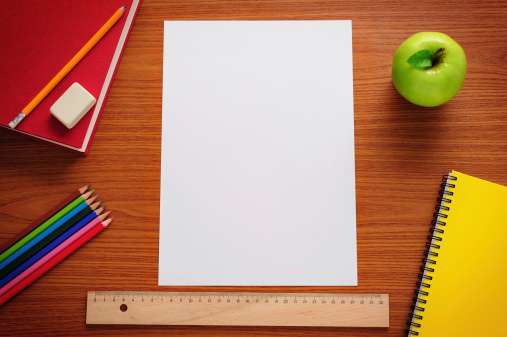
column 37, row 39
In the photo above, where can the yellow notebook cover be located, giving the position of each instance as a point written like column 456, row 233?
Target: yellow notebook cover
column 463, row 288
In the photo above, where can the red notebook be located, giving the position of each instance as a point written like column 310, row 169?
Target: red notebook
column 37, row 39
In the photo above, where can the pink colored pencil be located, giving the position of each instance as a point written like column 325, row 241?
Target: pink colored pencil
column 46, row 263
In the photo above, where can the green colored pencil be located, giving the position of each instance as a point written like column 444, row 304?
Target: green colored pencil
column 14, row 248
column 50, row 238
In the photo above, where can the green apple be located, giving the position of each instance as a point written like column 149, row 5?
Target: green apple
column 429, row 68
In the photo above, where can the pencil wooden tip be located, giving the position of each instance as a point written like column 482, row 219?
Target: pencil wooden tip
column 84, row 189
column 107, row 222
column 87, row 195
column 122, row 9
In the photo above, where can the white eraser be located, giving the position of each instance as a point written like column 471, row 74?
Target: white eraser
column 72, row 105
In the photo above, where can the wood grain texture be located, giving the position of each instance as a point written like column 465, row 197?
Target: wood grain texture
column 401, row 152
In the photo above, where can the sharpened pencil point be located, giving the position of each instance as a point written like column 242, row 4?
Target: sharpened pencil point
column 83, row 189
column 87, row 195
column 107, row 222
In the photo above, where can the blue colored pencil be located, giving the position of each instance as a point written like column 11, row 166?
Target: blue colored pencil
column 86, row 220
column 46, row 232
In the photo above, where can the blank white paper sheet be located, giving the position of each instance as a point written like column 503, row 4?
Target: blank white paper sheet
column 257, row 173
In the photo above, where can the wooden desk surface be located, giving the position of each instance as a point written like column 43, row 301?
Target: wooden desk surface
column 401, row 152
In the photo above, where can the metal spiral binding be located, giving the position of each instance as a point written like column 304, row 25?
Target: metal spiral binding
column 430, row 255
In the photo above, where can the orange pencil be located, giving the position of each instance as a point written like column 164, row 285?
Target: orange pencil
column 68, row 67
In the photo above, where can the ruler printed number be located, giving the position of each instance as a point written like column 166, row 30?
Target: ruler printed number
column 263, row 299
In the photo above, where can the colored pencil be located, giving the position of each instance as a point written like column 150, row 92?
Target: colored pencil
column 30, row 270
column 42, row 232
column 43, row 218
column 46, row 241
column 68, row 67
column 58, row 241
column 53, row 261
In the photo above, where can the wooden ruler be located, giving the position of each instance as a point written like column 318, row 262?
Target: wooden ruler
column 240, row 309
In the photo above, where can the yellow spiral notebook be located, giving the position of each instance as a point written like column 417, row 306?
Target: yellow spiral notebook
column 463, row 287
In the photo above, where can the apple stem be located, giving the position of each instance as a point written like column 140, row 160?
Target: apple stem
column 437, row 56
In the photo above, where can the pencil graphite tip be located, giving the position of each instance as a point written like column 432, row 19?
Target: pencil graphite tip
column 83, row 189
column 122, row 9
column 87, row 195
